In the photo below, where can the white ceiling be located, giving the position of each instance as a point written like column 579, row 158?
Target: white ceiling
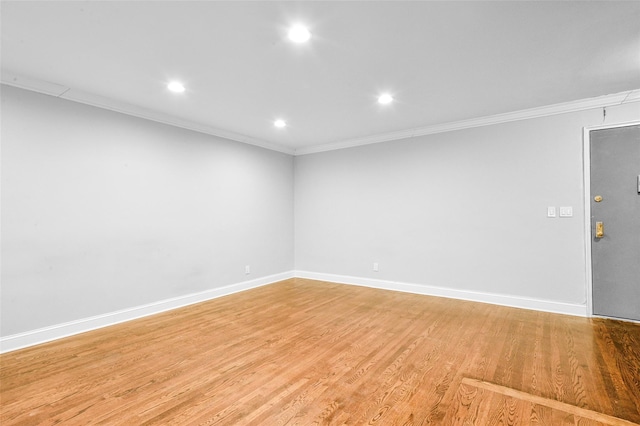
column 443, row 61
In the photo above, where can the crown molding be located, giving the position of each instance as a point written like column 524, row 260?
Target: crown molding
column 561, row 108
column 53, row 89
column 35, row 85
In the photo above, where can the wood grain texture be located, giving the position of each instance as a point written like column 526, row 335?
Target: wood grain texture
column 303, row 352
column 532, row 408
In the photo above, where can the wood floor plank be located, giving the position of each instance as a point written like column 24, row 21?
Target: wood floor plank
column 565, row 410
column 303, row 352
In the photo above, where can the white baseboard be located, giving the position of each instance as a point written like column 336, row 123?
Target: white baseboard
column 494, row 299
column 58, row 331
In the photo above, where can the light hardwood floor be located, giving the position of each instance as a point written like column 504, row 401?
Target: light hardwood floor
column 304, row 352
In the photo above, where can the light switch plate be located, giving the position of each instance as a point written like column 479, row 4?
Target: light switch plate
column 566, row 211
column 551, row 211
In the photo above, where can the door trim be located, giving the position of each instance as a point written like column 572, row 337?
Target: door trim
column 586, row 169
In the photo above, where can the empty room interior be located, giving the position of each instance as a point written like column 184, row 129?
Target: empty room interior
column 320, row 213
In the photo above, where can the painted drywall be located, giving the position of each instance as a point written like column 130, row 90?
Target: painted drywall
column 107, row 214
column 102, row 211
column 464, row 210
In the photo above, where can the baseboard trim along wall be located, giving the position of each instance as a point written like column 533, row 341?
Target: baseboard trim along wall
column 427, row 290
column 58, row 331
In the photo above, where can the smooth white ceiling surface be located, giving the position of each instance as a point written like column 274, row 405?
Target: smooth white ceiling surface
column 442, row 61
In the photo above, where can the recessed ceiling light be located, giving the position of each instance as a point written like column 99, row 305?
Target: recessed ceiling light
column 175, row 86
column 299, row 34
column 385, row 98
column 280, row 123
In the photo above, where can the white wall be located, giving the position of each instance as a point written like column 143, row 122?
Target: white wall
column 464, row 210
column 102, row 211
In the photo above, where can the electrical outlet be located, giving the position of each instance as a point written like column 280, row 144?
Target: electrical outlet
column 551, row 211
column 247, row 270
column 375, row 267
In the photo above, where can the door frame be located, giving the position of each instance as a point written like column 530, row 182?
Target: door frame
column 586, row 168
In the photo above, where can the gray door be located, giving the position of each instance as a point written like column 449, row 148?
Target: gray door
column 615, row 221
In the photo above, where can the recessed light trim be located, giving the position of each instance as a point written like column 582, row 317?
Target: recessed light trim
column 299, row 34
column 280, row 123
column 176, row 87
column 385, row 98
